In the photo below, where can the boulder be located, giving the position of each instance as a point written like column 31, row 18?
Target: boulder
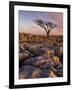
column 59, row 73
column 44, row 74
column 58, row 66
column 23, row 56
column 55, row 59
column 35, row 51
column 21, row 49
column 28, row 71
column 47, row 65
column 31, row 60
column 50, row 52
column 23, row 75
column 47, row 73
column 36, row 73
column 59, row 69
column 39, row 60
column 61, row 59
column 59, row 51
column 51, row 74
column 26, row 46
column 47, row 51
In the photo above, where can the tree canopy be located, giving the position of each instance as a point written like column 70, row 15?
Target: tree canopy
column 46, row 25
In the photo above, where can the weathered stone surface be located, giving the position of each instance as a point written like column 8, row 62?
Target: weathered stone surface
column 23, row 75
column 23, row 56
column 47, row 66
column 35, row 51
column 26, row 46
column 55, row 59
column 59, row 73
column 44, row 74
column 47, row 51
column 40, row 61
column 36, row 73
column 52, row 75
column 21, row 49
column 28, row 71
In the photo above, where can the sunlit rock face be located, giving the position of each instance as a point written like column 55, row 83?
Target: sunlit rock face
column 55, row 59
column 51, row 74
column 36, row 73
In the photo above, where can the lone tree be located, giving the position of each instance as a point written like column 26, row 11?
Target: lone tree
column 47, row 26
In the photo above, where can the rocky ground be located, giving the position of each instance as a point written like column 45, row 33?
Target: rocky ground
column 40, row 60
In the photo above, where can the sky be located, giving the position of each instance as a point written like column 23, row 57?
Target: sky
column 27, row 25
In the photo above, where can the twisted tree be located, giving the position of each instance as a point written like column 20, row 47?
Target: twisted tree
column 47, row 26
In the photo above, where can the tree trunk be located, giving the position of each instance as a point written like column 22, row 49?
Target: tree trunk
column 48, row 33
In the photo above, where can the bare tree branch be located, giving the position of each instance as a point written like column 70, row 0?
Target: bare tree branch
column 40, row 23
column 47, row 26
